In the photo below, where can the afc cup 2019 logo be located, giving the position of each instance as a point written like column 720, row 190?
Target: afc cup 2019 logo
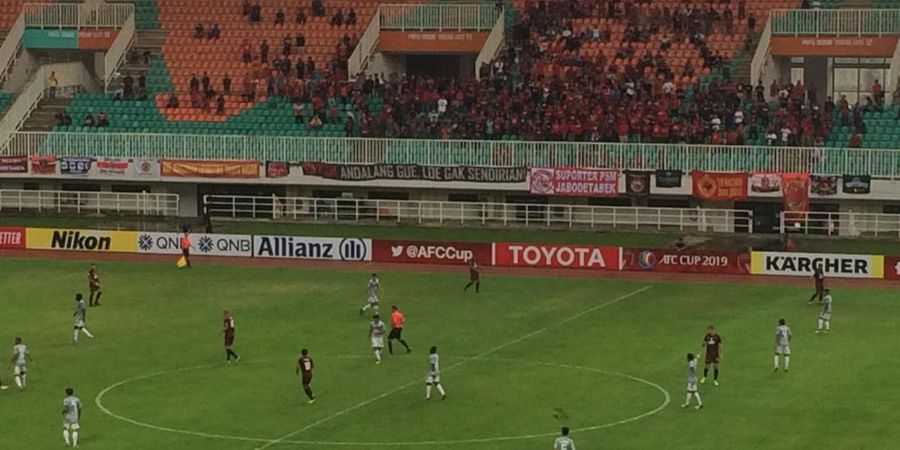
column 646, row 260
column 145, row 242
column 205, row 244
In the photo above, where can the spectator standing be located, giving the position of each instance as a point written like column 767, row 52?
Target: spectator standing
column 195, row 82
column 199, row 32
column 220, row 105
column 102, row 121
column 142, row 87
column 128, row 87
column 173, row 101
column 318, row 8
column 246, row 8
column 255, row 12
column 351, row 17
column 855, row 140
column 301, row 17
column 300, row 40
column 286, row 47
column 247, row 52
column 215, row 32
column 205, row 82
column 878, row 93
column 264, row 52
column 337, row 19
column 279, row 17
column 751, row 23
column 88, row 120
column 226, row 85
column 298, row 112
column 53, row 84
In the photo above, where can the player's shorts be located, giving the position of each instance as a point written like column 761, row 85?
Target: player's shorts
column 71, row 426
column 19, row 369
column 474, row 276
column 377, row 341
column 79, row 324
column 396, row 333
column 712, row 358
column 306, row 379
column 94, row 288
column 783, row 350
column 229, row 340
column 432, row 379
column 825, row 316
column 692, row 387
column 373, row 299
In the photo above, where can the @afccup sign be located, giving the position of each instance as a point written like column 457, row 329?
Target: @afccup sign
column 427, row 252
column 298, row 247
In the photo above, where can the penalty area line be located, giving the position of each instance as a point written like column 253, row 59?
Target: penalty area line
column 512, row 342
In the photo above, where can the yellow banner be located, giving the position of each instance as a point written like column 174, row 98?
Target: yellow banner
column 804, row 264
column 81, row 240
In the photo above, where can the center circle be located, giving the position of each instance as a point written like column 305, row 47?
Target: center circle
column 558, row 367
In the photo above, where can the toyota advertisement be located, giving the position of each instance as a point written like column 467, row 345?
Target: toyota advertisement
column 561, row 256
column 426, row 252
column 646, row 260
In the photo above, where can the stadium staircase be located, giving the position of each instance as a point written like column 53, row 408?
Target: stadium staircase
column 44, row 117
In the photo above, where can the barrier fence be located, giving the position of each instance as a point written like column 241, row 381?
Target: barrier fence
column 438, row 17
column 76, row 15
column 84, row 202
column 849, row 224
column 835, row 161
column 835, row 22
column 478, row 214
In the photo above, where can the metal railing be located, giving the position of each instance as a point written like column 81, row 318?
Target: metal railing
column 76, row 15
column 834, row 161
column 848, row 224
column 10, row 48
column 115, row 56
column 367, row 45
column 835, row 22
column 438, row 17
column 82, row 202
column 478, row 214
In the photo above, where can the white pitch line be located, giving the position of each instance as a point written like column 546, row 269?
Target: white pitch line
column 480, row 355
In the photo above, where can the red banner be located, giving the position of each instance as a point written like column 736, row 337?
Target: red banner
column 14, row 164
column 566, row 256
column 426, row 252
column 685, row 262
column 574, row 182
column 12, row 237
column 796, row 195
column 208, row 169
column 43, row 165
column 719, row 186
column 892, row 267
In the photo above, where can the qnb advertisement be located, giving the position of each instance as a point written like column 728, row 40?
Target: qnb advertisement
column 201, row 244
column 557, row 256
column 426, row 252
column 81, row 240
column 803, row 264
column 298, row 247
column 647, row 260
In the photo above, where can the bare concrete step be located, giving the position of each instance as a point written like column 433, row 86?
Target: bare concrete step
column 44, row 117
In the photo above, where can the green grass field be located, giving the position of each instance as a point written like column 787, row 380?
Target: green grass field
column 521, row 359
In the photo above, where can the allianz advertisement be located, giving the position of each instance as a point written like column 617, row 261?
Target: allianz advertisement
column 297, row 247
column 201, row 244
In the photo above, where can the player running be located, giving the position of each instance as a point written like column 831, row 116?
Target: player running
column 433, row 377
column 228, row 331
column 20, row 359
column 692, row 383
column 305, row 367
column 71, row 415
column 376, row 336
column 373, row 289
column 474, row 275
column 94, row 286
column 397, row 321
column 783, row 344
column 819, row 278
column 713, row 343
column 80, row 314
column 825, row 315
column 564, row 442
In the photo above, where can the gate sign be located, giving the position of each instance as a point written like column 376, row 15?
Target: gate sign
column 203, row 244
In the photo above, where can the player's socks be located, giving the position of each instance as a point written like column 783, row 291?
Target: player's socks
column 477, row 287
column 75, row 336
column 827, row 325
column 74, row 439
column 715, row 374
column 820, row 325
column 776, row 362
column 66, row 437
column 390, row 347
column 699, row 402
column 377, row 356
column 467, row 287
column 427, row 392
column 405, row 345
column 97, row 303
column 19, row 381
column 441, row 390
column 24, row 382
column 91, row 300
column 309, row 393
column 87, row 333
column 787, row 363
column 365, row 307
column 687, row 400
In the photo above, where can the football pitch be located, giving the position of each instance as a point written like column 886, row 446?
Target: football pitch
column 519, row 360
